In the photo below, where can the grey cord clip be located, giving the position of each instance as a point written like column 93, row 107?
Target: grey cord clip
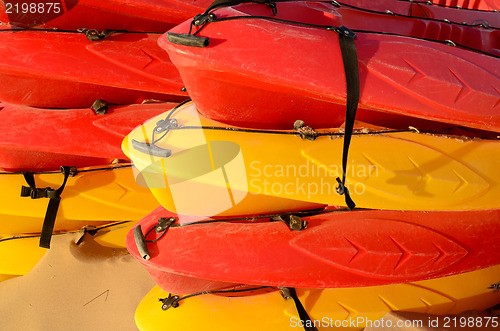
column 495, row 287
column 100, row 107
column 172, row 301
column 202, row 19
column 306, row 132
column 450, row 43
column 294, row 222
column 94, row 35
column 165, row 125
column 164, row 224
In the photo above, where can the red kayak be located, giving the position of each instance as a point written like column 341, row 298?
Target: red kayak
column 337, row 249
column 295, row 72
column 489, row 5
column 44, row 139
column 428, row 10
column 132, row 15
column 67, row 70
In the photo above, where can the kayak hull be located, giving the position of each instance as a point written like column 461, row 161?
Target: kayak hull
column 337, row 249
column 36, row 139
column 354, row 307
column 66, row 70
column 398, row 85
column 132, row 15
column 386, row 170
column 101, row 194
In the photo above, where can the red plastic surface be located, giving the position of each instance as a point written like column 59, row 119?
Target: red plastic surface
column 259, row 73
column 132, row 15
column 66, row 70
column 471, row 4
column 426, row 10
column 44, row 139
column 339, row 249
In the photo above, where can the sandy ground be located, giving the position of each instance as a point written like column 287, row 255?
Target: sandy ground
column 84, row 287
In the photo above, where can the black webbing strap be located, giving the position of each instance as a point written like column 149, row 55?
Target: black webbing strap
column 290, row 293
column 350, row 59
column 54, row 196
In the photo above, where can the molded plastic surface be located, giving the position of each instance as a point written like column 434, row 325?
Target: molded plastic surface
column 339, row 249
column 398, row 171
column 423, row 9
column 66, row 70
column 38, row 139
column 265, row 74
column 269, row 311
column 133, row 15
column 471, row 4
column 103, row 195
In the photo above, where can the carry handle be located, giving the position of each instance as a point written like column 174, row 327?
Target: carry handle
column 187, row 40
column 150, row 149
column 140, row 242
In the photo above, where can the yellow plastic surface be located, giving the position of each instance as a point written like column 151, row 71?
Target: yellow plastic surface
column 447, row 295
column 91, row 198
column 404, row 170
column 20, row 255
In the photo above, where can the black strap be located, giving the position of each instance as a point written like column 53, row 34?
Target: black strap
column 350, row 59
column 53, row 206
column 290, row 293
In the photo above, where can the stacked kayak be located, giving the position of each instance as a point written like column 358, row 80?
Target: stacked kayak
column 483, row 5
column 430, row 11
column 336, row 160
column 408, row 67
column 69, row 70
column 134, row 15
column 298, row 109
column 69, row 95
column 388, row 169
column 45, row 139
column 337, row 249
column 353, row 308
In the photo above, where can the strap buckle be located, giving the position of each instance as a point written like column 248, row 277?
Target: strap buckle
column 38, row 193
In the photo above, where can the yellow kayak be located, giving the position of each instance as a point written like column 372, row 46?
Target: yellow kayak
column 95, row 196
column 342, row 307
column 21, row 253
column 191, row 157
